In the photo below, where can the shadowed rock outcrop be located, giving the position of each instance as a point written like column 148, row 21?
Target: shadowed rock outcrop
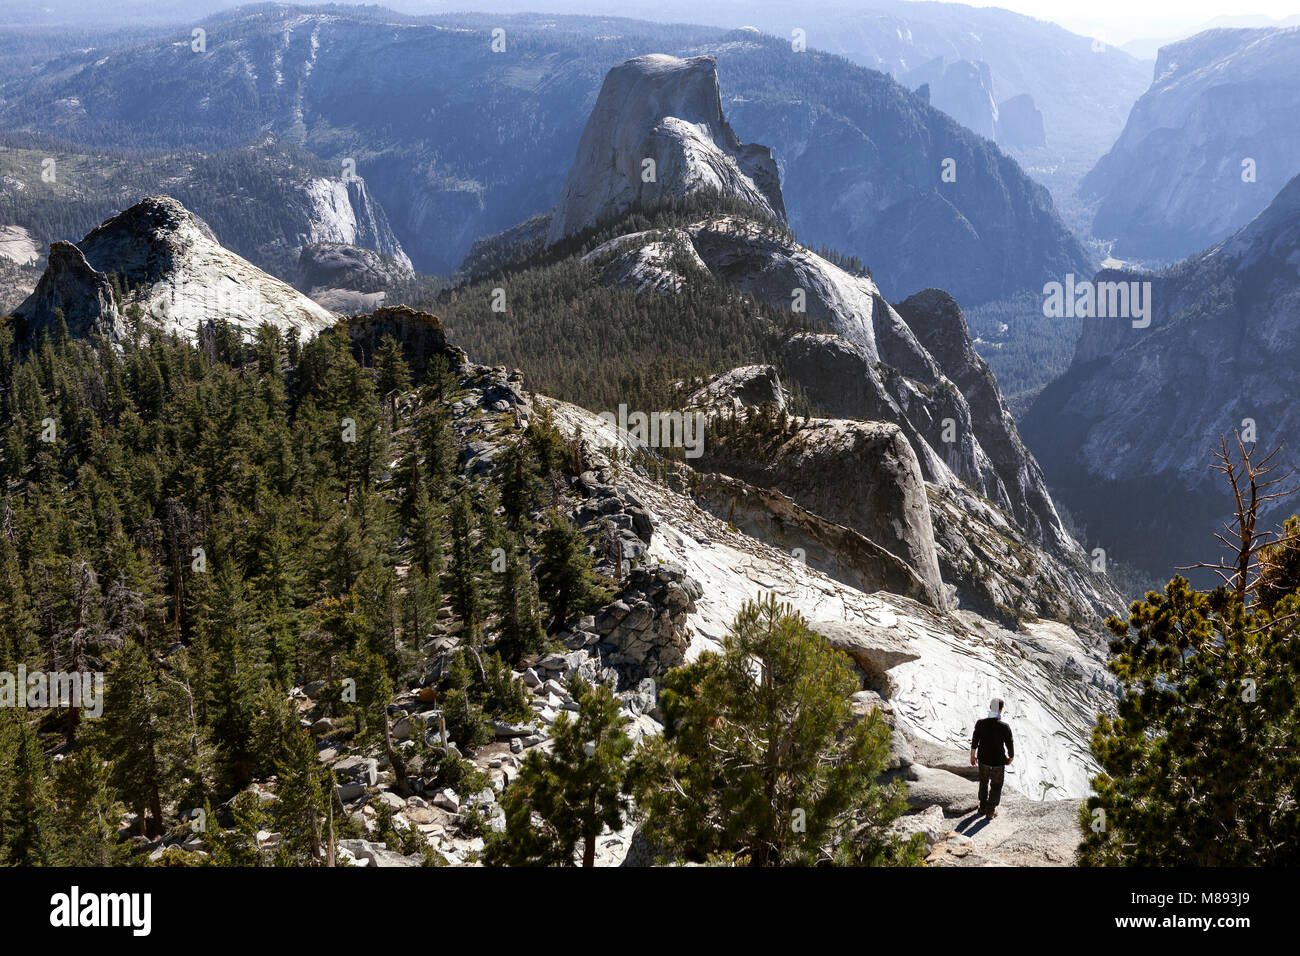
column 863, row 475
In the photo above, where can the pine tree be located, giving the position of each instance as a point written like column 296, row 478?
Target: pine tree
column 571, row 795
column 28, row 825
column 519, row 625
column 426, row 534
column 89, row 812
column 463, row 572
column 141, row 735
column 521, row 488
column 1199, row 761
column 394, row 372
column 564, row 572
column 232, row 676
column 439, row 444
column 762, row 760
column 303, row 795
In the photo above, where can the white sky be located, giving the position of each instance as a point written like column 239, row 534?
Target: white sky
column 1124, row 19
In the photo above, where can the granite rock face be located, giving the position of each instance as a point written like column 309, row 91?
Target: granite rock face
column 913, row 364
column 1020, row 123
column 171, row 269
column 862, row 475
column 657, row 132
column 341, row 210
column 1174, row 182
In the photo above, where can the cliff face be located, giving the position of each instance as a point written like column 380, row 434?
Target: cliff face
column 1221, row 105
column 170, row 269
column 657, row 132
column 343, row 211
column 69, row 284
column 913, row 365
column 962, row 89
column 1125, row 435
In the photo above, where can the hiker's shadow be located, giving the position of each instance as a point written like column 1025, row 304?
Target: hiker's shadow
column 972, row 825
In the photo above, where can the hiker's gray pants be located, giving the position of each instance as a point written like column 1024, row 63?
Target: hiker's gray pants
column 989, row 774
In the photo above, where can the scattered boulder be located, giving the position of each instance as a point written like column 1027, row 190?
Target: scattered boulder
column 875, row 650
column 366, row 853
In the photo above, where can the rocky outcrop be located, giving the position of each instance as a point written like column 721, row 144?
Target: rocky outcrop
column 421, row 335
column 842, row 553
column 1020, row 124
column 1125, row 434
column 663, row 260
column 875, row 650
column 1221, row 105
column 646, row 626
column 17, row 246
column 70, row 287
column 336, row 265
column 748, row 386
column 172, row 275
column 863, row 475
column 991, row 562
column 914, row 366
column 657, row 132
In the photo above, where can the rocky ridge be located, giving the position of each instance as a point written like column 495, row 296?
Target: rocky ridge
column 912, row 365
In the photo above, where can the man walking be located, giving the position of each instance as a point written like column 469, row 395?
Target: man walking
column 992, row 745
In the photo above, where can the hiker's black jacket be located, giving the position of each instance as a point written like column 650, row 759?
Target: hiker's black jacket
column 991, row 735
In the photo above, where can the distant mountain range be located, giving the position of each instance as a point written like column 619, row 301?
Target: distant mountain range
column 1147, row 48
column 1125, row 435
column 456, row 147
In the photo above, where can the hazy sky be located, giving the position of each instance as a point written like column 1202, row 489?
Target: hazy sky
column 1115, row 21
column 1125, row 19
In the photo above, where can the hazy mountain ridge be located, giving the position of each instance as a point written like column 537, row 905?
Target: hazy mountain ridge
column 1125, row 434
column 265, row 201
column 448, row 175
column 1205, row 148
